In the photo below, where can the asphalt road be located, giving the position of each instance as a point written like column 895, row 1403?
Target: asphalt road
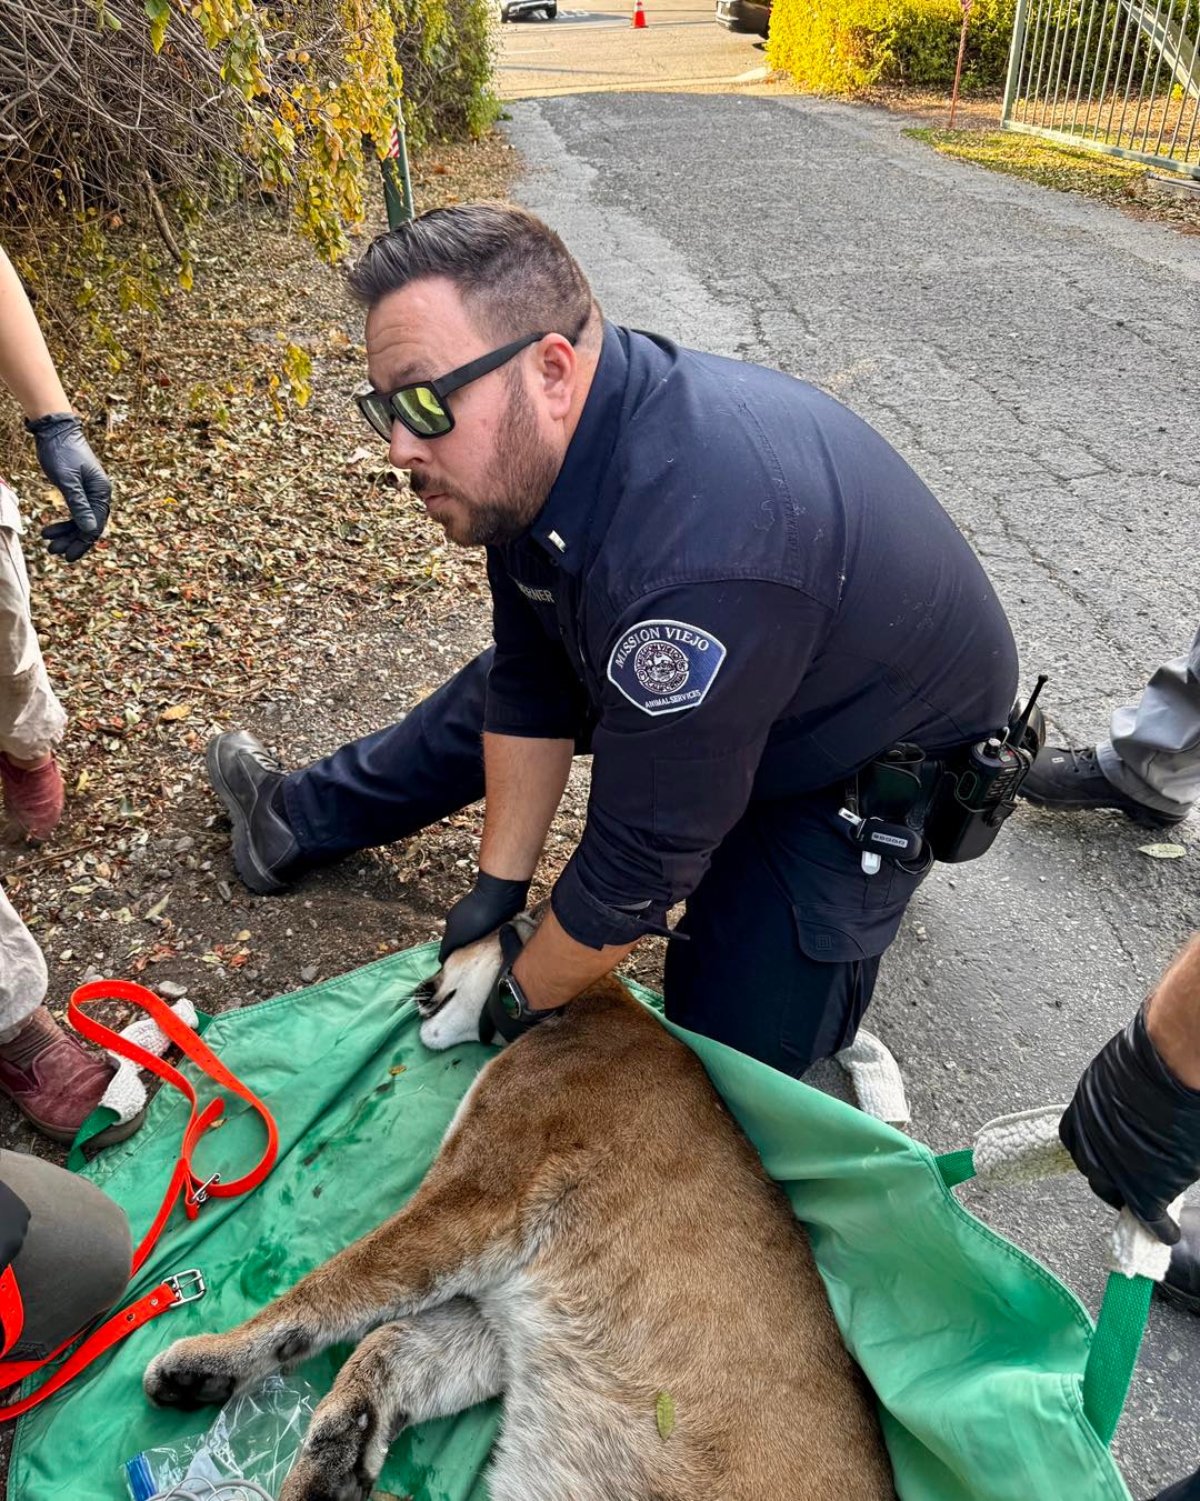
column 1035, row 357
column 589, row 51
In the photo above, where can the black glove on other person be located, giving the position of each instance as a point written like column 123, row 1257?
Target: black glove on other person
column 1134, row 1129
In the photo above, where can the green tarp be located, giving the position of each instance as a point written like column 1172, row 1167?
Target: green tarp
column 977, row 1352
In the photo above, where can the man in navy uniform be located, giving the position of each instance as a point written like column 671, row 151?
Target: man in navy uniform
column 712, row 577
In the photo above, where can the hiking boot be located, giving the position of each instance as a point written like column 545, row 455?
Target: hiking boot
column 33, row 800
column 1181, row 1285
column 55, row 1082
column 249, row 781
column 1063, row 779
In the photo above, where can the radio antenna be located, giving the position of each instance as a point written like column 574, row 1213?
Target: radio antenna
column 1017, row 733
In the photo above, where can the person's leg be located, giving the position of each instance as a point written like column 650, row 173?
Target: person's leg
column 1183, row 1490
column 52, row 1080
column 75, row 1260
column 22, row 972
column 398, row 780
column 1149, row 770
column 1154, row 753
column 372, row 791
column 31, row 718
column 784, row 938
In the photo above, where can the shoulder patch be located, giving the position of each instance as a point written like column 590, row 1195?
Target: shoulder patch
column 663, row 666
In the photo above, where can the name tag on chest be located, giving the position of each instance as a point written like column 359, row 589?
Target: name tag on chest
column 538, row 596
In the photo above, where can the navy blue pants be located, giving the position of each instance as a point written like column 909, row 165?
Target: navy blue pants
column 784, row 933
column 1184, row 1490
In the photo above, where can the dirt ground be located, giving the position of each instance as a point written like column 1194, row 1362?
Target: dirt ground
column 258, row 573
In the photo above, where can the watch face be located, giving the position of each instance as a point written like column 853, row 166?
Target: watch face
column 508, row 999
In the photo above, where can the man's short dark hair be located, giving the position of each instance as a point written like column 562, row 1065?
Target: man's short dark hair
column 514, row 274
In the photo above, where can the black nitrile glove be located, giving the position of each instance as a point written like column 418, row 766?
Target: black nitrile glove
column 68, row 462
column 1134, row 1129
column 481, row 911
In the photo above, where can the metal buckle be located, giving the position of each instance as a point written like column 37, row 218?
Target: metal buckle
column 201, row 1194
column 187, row 1286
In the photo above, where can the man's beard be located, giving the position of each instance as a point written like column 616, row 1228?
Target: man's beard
column 523, row 470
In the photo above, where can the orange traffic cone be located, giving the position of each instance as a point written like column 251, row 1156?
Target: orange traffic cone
column 639, row 16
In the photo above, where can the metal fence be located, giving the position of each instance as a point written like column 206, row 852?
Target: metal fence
column 1118, row 76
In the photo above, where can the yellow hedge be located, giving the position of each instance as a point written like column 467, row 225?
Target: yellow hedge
column 845, row 46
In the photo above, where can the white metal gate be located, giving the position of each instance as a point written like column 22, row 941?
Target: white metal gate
column 1118, row 76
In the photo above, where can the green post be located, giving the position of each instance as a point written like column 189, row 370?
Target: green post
column 1016, row 56
column 397, row 184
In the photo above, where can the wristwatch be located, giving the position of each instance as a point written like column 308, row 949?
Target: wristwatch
column 512, row 997
column 507, row 1010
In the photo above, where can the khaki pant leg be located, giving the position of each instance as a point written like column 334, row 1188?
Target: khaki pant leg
column 31, row 718
column 1154, row 752
column 22, row 972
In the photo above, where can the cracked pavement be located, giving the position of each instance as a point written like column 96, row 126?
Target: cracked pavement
column 1034, row 356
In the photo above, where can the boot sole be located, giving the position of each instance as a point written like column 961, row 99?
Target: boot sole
column 1190, row 1302
column 251, row 871
column 109, row 1137
column 1146, row 817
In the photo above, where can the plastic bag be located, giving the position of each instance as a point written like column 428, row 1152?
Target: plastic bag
column 254, row 1437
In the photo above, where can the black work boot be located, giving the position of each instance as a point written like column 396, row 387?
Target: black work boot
column 1063, row 779
column 1182, row 1283
column 249, row 781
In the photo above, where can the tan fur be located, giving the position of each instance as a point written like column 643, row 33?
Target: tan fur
column 595, row 1231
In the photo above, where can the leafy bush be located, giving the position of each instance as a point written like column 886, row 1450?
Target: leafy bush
column 446, row 57
column 122, row 122
column 846, row 46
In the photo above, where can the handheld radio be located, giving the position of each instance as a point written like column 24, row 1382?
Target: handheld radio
column 975, row 797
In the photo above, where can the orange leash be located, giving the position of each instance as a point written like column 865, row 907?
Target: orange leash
column 183, row 1287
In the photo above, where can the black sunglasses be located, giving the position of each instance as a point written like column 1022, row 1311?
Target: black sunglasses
column 422, row 407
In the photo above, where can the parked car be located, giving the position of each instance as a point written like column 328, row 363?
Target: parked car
column 745, row 15
column 517, row 10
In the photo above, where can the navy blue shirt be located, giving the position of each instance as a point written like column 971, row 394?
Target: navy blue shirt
column 751, row 595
